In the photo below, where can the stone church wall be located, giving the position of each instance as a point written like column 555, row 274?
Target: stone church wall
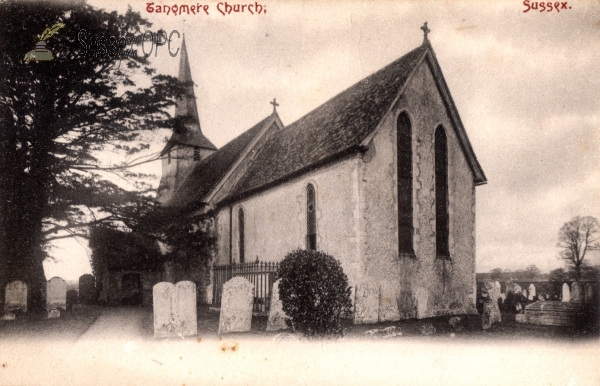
column 275, row 220
column 425, row 285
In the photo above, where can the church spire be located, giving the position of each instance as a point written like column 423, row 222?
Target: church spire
column 187, row 130
column 186, row 106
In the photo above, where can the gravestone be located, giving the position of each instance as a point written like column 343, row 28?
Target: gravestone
column 524, row 292
column 532, row 292
column 15, row 296
column 576, row 293
column 8, row 316
column 209, row 294
column 498, row 288
column 276, row 315
column 510, row 286
column 87, row 289
column 517, row 288
column 55, row 313
column 366, row 303
column 72, row 298
column 491, row 311
column 162, row 299
column 589, row 293
column 566, row 293
column 175, row 313
column 236, row 306
column 551, row 313
column 56, row 294
column 185, row 315
column 388, row 305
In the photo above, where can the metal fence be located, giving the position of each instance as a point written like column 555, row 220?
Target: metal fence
column 261, row 274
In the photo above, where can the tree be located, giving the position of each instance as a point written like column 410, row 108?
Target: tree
column 56, row 117
column 496, row 274
column 576, row 238
column 532, row 272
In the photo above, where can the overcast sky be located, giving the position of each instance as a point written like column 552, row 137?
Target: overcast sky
column 526, row 86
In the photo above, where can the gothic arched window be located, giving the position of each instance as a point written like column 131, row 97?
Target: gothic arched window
column 311, row 218
column 241, row 235
column 442, row 229
column 405, row 184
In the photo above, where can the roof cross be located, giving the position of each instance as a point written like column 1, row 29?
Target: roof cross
column 425, row 30
column 275, row 104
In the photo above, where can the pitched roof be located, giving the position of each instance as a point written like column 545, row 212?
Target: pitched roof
column 187, row 131
column 210, row 171
column 336, row 127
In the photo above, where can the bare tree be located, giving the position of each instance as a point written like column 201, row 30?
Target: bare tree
column 576, row 238
column 532, row 272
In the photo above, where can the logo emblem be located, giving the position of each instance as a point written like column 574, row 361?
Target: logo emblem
column 40, row 53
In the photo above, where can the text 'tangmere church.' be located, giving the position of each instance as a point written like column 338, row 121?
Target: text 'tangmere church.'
column 382, row 177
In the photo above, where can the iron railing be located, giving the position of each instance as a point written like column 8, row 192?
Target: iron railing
column 261, row 274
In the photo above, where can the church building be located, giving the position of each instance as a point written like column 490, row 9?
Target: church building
column 382, row 177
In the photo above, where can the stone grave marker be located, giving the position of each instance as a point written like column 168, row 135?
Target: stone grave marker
column 576, row 292
column 72, row 299
column 516, row 288
column 56, row 294
column 532, row 292
column 498, row 287
column 510, row 286
column 55, row 313
column 388, row 305
column 162, row 299
column 276, row 315
column 236, row 306
column 524, row 292
column 491, row 311
column 566, row 293
column 15, row 296
column 589, row 293
column 185, row 315
column 366, row 303
column 87, row 289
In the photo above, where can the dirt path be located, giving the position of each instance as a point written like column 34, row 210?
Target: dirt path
column 119, row 323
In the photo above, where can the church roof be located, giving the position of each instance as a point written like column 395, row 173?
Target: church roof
column 333, row 129
column 187, row 131
column 340, row 127
column 209, row 172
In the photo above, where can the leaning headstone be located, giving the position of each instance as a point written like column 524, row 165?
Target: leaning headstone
column 576, row 292
column 185, row 315
column 236, row 306
column 388, row 305
column 491, row 311
column 162, row 299
column 589, row 293
column 366, row 303
column 277, row 317
column 15, row 296
column 532, row 292
column 87, row 289
column 56, row 294
column 566, row 293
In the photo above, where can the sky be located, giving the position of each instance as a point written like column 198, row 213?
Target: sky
column 525, row 84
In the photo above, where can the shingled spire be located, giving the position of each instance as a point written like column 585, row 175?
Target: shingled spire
column 187, row 130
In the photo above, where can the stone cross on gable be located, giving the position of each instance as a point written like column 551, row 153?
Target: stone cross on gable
column 275, row 104
column 425, row 30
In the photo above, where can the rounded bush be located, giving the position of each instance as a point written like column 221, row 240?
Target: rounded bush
column 314, row 292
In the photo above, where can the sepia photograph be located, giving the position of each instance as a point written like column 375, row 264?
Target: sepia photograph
column 344, row 192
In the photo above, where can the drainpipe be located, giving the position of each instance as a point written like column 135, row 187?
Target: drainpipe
column 230, row 235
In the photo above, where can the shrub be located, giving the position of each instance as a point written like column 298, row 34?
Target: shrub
column 314, row 292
